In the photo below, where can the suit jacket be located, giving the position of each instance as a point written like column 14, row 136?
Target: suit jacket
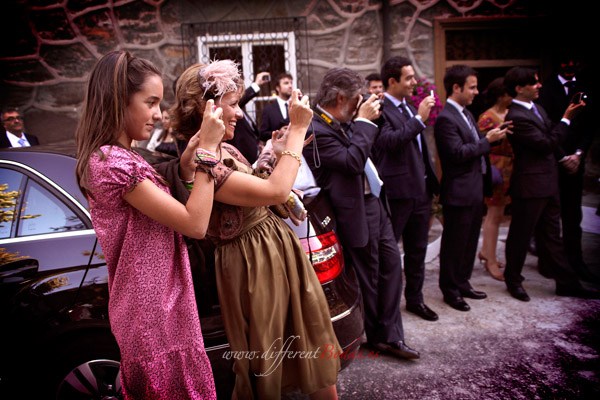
column 5, row 143
column 460, row 156
column 402, row 165
column 581, row 130
column 245, row 137
column 341, row 174
column 272, row 119
column 534, row 142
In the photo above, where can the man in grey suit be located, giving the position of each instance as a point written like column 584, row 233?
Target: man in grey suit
column 463, row 155
column 409, row 180
column 14, row 136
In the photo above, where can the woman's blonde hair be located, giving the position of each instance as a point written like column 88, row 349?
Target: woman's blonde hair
column 113, row 80
column 195, row 86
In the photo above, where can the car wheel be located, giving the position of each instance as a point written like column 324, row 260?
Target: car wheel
column 89, row 368
column 96, row 379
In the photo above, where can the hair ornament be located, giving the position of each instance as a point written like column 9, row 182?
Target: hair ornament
column 219, row 77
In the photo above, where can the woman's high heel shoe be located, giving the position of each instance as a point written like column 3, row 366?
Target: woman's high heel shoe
column 492, row 268
column 494, row 271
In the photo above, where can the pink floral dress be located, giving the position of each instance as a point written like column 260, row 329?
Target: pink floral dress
column 152, row 308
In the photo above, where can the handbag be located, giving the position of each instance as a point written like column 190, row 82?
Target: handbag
column 497, row 178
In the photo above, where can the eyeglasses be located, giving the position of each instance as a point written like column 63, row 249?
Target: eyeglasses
column 11, row 119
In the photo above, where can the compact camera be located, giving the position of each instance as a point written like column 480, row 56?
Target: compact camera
column 579, row 97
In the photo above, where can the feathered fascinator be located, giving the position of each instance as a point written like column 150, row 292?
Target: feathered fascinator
column 219, row 77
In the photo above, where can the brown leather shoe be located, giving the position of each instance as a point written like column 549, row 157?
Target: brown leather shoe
column 398, row 349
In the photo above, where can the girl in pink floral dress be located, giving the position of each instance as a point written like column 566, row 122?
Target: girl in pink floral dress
column 152, row 308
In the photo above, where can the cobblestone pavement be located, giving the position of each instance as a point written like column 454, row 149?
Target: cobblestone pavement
column 501, row 349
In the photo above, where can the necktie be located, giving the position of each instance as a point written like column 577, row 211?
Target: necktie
column 370, row 170
column 287, row 113
column 22, row 142
column 372, row 178
column 569, row 87
column 406, row 110
column 475, row 135
column 536, row 112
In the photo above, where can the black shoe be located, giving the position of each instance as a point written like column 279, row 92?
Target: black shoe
column 422, row 311
column 458, row 303
column 473, row 294
column 398, row 349
column 576, row 291
column 518, row 292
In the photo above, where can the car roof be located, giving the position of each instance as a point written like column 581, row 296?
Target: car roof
column 57, row 162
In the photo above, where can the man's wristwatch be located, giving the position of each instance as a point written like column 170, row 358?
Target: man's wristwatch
column 578, row 153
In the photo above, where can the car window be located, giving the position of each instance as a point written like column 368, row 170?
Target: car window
column 44, row 213
column 10, row 184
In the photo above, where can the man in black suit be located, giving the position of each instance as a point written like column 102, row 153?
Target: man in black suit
column 534, row 187
column 338, row 156
column 555, row 96
column 405, row 168
column 14, row 136
column 275, row 113
column 465, row 166
column 245, row 137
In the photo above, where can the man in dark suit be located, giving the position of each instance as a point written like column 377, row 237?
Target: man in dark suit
column 534, row 187
column 338, row 156
column 405, row 168
column 275, row 113
column 555, row 96
column 245, row 137
column 14, row 136
column 463, row 155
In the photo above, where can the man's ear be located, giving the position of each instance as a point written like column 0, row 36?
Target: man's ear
column 391, row 82
column 456, row 88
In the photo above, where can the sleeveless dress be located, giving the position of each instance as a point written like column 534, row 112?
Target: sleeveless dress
column 152, row 307
column 271, row 300
column 501, row 157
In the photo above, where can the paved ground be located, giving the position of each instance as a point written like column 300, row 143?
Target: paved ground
column 501, row 349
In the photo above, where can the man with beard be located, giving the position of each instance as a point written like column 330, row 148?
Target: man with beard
column 338, row 156
column 275, row 114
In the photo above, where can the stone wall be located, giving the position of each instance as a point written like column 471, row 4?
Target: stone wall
column 50, row 45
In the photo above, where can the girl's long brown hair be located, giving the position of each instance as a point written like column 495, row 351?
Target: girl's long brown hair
column 112, row 82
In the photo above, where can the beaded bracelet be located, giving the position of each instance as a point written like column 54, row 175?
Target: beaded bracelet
column 291, row 153
column 205, row 157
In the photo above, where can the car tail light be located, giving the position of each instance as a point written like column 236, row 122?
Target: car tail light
column 325, row 254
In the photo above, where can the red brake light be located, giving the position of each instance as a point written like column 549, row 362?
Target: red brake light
column 326, row 255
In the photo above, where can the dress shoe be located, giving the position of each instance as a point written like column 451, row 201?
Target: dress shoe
column 458, row 303
column 422, row 311
column 398, row 349
column 473, row 294
column 518, row 292
column 576, row 291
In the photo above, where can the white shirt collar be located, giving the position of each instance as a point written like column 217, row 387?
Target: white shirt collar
column 394, row 100
column 282, row 104
column 455, row 104
column 14, row 139
column 527, row 104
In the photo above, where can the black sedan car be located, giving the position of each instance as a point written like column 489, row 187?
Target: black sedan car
column 55, row 337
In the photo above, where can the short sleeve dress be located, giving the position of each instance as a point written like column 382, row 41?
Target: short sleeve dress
column 501, row 157
column 152, row 308
column 271, row 300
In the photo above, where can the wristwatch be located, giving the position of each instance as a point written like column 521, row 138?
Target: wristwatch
column 578, row 153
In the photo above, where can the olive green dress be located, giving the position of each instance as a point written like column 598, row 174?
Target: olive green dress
column 275, row 313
